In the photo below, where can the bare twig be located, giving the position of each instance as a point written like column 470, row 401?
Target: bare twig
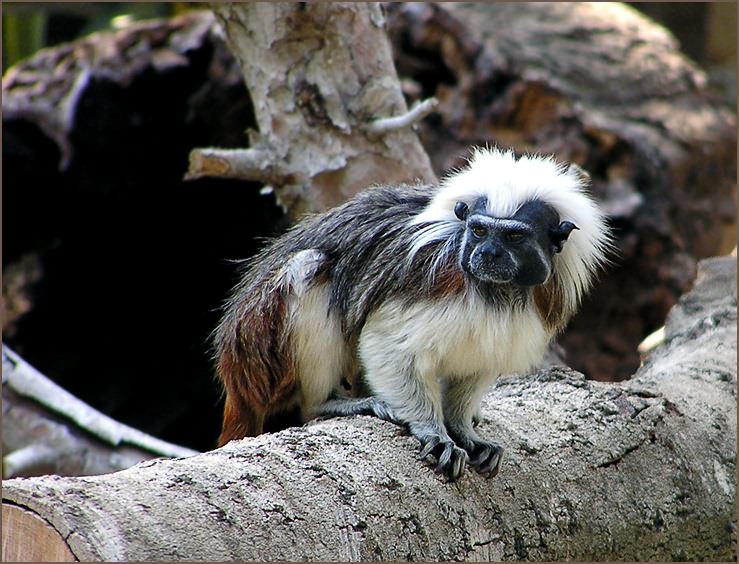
column 419, row 111
column 26, row 460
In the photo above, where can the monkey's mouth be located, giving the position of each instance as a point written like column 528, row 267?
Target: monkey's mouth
column 493, row 278
column 492, row 272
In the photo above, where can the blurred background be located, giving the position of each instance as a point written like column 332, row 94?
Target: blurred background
column 706, row 30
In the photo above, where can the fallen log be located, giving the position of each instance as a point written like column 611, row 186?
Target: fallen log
column 637, row 470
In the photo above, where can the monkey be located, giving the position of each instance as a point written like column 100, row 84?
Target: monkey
column 424, row 295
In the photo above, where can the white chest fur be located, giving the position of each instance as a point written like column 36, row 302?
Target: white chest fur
column 456, row 337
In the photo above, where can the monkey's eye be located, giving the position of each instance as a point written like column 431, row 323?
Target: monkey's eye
column 514, row 236
column 479, row 231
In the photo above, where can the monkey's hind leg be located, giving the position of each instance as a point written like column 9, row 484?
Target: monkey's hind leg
column 462, row 398
column 239, row 420
column 434, row 440
column 343, row 407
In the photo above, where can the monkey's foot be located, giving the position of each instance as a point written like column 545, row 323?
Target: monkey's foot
column 337, row 407
column 485, row 456
column 450, row 459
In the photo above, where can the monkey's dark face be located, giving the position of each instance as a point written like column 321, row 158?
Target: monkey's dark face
column 514, row 250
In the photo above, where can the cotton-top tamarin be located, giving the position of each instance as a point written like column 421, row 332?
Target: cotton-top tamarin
column 427, row 293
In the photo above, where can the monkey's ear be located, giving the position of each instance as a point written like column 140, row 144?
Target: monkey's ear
column 560, row 235
column 461, row 210
column 579, row 172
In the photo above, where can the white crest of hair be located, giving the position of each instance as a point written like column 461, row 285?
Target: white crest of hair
column 507, row 183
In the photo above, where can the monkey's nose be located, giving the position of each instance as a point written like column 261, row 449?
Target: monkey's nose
column 491, row 251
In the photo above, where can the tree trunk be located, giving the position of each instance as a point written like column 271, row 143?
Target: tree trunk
column 324, row 89
column 640, row 470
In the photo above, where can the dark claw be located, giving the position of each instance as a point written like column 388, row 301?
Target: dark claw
column 444, row 457
column 429, row 446
column 487, row 460
column 450, row 459
column 480, row 456
column 458, row 465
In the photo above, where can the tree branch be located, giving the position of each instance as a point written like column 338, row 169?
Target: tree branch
column 314, row 146
column 259, row 165
column 48, row 430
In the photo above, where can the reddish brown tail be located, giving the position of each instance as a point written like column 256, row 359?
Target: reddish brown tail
column 254, row 363
column 239, row 422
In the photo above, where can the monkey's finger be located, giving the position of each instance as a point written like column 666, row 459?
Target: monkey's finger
column 445, row 457
column 458, row 464
column 492, row 465
column 481, row 456
column 429, row 446
column 382, row 411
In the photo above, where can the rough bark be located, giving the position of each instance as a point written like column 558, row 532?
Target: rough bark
column 324, row 89
column 598, row 84
column 630, row 471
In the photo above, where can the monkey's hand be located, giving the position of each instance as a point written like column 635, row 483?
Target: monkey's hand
column 485, row 456
column 450, row 459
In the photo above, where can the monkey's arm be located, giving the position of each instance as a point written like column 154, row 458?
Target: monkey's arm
column 461, row 414
column 428, row 428
column 405, row 380
column 462, row 398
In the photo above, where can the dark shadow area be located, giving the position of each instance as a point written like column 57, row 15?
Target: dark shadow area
column 134, row 261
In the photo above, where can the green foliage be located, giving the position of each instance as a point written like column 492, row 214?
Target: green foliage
column 23, row 35
column 28, row 27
